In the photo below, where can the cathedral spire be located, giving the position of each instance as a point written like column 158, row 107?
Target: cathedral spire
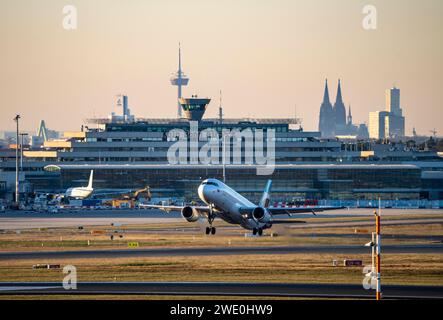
column 349, row 115
column 326, row 94
column 339, row 97
column 339, row 109
column 326, row 118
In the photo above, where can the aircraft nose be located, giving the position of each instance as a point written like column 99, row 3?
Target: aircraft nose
column 203, row 192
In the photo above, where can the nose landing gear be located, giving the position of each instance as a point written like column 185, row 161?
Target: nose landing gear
column 257, row 231
column 210, row 230
column 211, row 217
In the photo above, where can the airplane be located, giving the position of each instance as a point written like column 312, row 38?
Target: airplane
column 81, row 192
column 225, row 203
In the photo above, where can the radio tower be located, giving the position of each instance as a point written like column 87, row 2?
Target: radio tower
column 179, row 79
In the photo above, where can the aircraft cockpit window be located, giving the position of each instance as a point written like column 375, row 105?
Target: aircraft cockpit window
column 210, row 183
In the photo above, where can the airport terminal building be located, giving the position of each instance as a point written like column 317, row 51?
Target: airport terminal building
column 133, row 154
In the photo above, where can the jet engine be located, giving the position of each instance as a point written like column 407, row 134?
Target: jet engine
column 190, row 214
column 261, row 215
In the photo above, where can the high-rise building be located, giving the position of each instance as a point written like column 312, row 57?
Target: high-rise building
column 393, row 101
column 389, row 123
column 394, row 126
column 377, row 124
column 395, row 123
column 326, row 118
column 123, row 113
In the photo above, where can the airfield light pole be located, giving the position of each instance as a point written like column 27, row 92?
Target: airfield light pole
column 17, row 117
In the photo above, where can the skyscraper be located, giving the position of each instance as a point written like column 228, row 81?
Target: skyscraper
column 395, row 122
column 393, row 101
column 326, row 118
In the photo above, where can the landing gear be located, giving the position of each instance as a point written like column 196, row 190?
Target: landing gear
column 210, row 230
column 257, row 231
column 211, row 217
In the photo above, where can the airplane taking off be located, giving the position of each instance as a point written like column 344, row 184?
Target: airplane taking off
column 227, row 204
column 81, row 192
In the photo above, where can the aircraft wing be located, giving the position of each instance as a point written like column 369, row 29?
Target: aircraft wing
column 203, row 209
column 288, row 211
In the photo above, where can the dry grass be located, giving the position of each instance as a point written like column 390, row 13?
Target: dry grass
column 296, row 268
column 182, row 235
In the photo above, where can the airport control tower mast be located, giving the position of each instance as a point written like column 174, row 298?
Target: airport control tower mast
column 179, row 79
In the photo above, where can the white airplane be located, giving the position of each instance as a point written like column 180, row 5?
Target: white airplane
column 81, row 192
column 227, row 204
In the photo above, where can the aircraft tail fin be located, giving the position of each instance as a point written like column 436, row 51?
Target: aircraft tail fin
column 266, row 197
column 90, row 179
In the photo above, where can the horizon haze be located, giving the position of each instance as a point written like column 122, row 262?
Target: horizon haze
column 269, row 58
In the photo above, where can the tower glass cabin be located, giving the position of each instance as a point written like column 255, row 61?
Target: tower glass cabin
column 194, row 108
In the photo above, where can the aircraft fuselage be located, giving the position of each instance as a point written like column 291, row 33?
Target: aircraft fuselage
column 78, row 193
column 227, row 203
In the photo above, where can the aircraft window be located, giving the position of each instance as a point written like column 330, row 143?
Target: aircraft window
column 210, row 183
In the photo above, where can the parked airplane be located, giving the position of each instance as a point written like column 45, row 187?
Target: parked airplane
column 81, row 192
column 227, row 204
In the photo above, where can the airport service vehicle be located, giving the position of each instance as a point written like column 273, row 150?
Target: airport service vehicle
column 81, row 192
column 227, row 204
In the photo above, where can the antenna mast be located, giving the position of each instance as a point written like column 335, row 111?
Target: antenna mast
column 220, row 110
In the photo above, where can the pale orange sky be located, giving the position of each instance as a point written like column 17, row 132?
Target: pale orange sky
column 265, row 55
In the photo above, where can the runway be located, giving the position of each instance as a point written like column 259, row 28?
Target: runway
column 211, row 251
column 222, row 288
column 73, row 218
column 23, row 220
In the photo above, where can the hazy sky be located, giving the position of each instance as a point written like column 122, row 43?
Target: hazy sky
column 265, row 55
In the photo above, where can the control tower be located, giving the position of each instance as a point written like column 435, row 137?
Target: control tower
column 179, row 79
column 194, row 108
